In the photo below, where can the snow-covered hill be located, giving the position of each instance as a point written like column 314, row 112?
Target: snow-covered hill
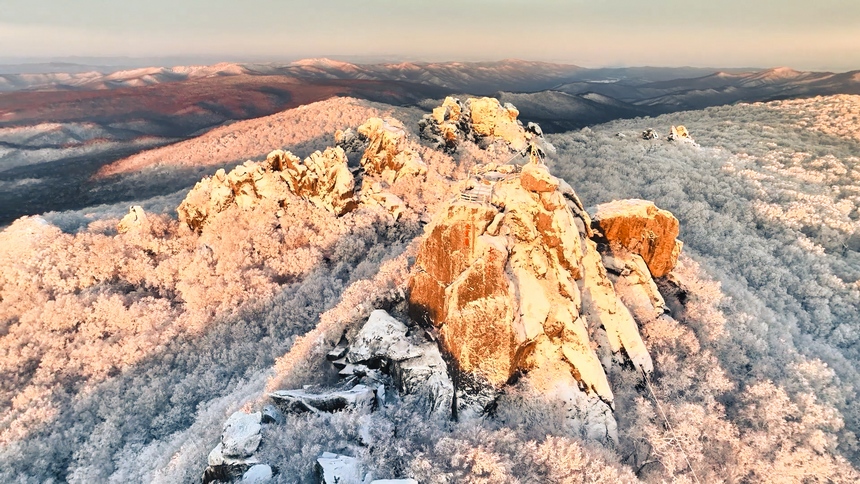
column 124, row 354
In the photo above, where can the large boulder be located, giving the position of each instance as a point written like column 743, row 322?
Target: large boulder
column 258, row 474
column 234, row 454
column 382, row 336
column 499, row 280
column 492, row 121
column 640, row 227
column 338, row 469
column 447, row 125
column 680, row 133
column 414, row 364
column 425, row 376
column 388, row 153
column 241, row 435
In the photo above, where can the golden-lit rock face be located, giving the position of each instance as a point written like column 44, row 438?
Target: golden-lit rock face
column 492, row 120
column 209, row 197
column 323, row 178
column 511, row 283
column 387, row 153
column 680, row 133
column 640, row 227
column 484, row 120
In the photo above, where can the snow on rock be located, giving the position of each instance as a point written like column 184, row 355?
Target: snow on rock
column 414, row 364
column 603, row 308
column 134, row 220
column 223, row 473
column 323, row 179
column 640, row 227
column 373, row 193
column 381, row 337
column 634, row 284
column 680, row 133
column 498, row 278
column 359, row 397
column 485, row 121
column 514, row 282
column 271, row 415
column 447, row 125
column 234, row 454
column 427, row 377
column 388, row 153
column 258, row 474
column 650, row 134
column 216, row 457
column 338, row 469
column 493, row 121
column 241, row 435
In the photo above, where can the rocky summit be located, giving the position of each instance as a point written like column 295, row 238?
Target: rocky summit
column 512, row 281
column 485, row 121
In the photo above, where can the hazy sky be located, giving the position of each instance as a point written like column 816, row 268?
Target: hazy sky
column 811, row 34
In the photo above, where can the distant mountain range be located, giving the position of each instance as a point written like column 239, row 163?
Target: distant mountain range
column 562, row 96
column 77, row 122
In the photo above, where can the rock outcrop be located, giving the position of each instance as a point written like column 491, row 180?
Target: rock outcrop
column 485, row 121
column 650, row 134
column 358, row 398
column 258, row 474
column 384, row 353
column 241, row 435
column 503, row 282
column 413, row 363
column 373, row 193
column 234, row 454
column 447, row 125
column 491, row 121
column 387, row 153
column 680, row 133
column 135, row 219
column 323, row 178
column 338, row 469
column 638, row 226
column 514, row 281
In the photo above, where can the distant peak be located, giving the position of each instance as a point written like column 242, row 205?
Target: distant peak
column 781, row 72
column 320, row 62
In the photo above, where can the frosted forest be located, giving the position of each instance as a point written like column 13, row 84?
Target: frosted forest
column 122, row 353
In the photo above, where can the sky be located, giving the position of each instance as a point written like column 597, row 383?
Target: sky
column 817, row 35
